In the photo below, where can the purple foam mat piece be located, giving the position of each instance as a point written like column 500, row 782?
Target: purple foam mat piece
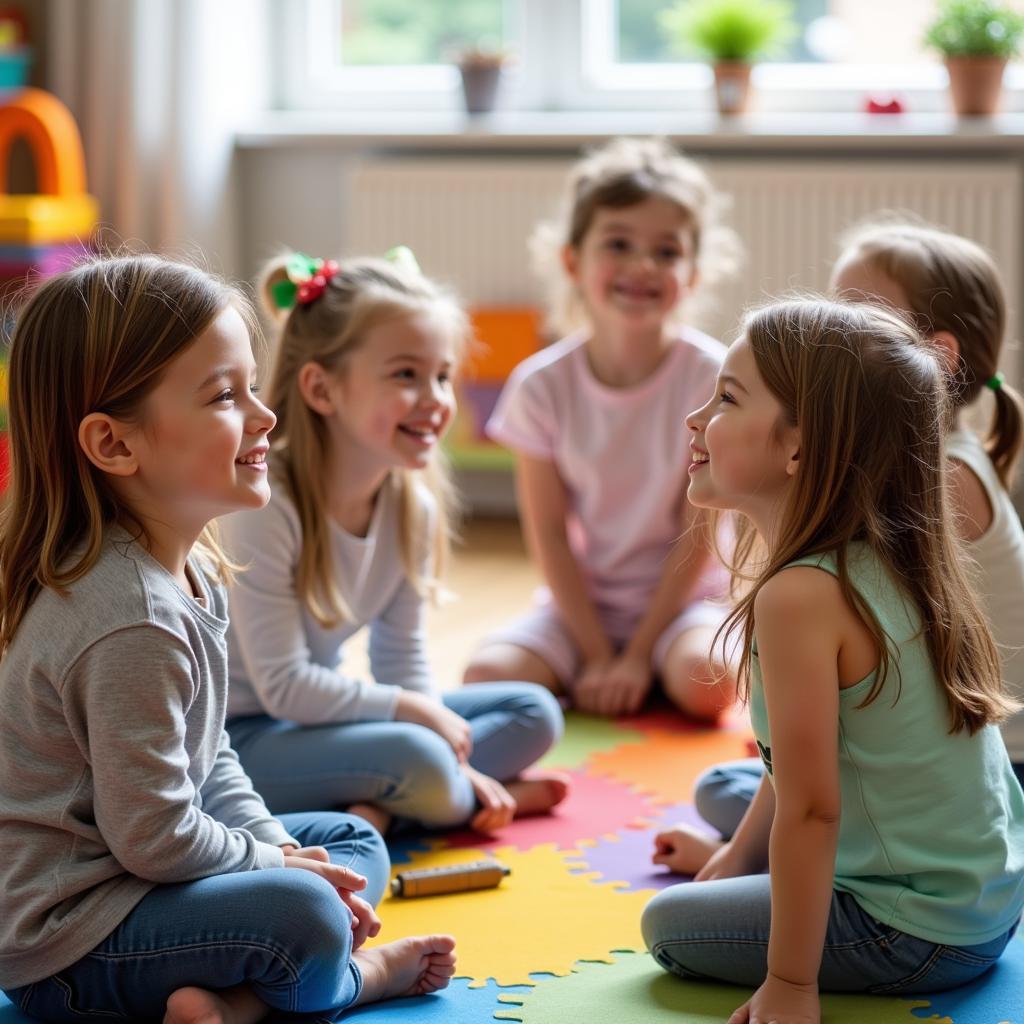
column 627, row 856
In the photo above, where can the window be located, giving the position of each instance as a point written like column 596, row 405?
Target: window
column 594, row 55
column 390, row 32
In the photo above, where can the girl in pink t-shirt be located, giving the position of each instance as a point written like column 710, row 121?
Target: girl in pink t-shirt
column 632, row 581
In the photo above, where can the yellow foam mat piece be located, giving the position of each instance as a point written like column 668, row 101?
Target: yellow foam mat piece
column 666, row 764
column 542, row 918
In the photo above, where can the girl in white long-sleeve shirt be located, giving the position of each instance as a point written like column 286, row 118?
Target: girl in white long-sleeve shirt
column 352, row 539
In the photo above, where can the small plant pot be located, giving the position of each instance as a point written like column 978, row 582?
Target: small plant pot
column 975, row 84
column 732, row 87
column 480, row 85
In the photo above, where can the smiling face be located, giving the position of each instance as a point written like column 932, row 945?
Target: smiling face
column 635, row 264
column 744, row 455
column 393, row 397
column 201, row 439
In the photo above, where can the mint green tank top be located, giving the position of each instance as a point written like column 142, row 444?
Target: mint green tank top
column 931, row 835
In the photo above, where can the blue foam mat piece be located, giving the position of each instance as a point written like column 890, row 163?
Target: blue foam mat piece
column 995, row 998
column 457, row 1004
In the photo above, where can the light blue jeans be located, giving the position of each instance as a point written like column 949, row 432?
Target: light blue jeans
column 283, row 932
column 719, row 931
column 406, row 769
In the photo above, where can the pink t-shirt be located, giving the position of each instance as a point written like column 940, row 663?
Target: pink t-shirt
column 623, row 455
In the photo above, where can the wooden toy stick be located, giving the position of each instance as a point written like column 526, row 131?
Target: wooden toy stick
column 478, row 874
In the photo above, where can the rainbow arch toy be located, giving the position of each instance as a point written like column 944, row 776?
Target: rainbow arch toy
column 62, row 210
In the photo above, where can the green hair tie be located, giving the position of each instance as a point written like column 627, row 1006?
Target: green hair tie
column 404, row 258
column 995, row 382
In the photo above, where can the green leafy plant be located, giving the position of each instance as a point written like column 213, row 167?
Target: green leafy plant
column 730, row 30
column 975, row 28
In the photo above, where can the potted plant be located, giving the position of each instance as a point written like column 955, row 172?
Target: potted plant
column 481, row 71
column 732, row 33
column 976, row 38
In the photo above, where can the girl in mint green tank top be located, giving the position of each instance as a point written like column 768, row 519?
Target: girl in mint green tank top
column 889, row 815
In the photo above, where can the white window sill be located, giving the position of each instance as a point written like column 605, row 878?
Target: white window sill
column 703, row 131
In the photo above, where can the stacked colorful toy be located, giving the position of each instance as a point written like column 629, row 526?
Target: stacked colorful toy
column 44, row 232
column 505, row 336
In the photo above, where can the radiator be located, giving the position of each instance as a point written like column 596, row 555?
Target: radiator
column 468, row 219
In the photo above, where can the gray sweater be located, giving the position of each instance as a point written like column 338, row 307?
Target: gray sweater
column 115, row 771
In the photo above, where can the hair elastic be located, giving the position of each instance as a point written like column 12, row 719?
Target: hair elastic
column 305, row 281
column 403, row 258
column 995, row 382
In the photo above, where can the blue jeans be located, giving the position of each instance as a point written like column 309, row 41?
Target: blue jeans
column 282, row 932
column 406, row 769
column 719, row 930
column 723, row 793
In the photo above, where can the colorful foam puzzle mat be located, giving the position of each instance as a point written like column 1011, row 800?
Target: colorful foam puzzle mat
column 559, row 940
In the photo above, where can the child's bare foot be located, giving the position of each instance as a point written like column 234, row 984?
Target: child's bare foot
column 538, row 791
column 376, row 816
column 685, row 849
column 198, row 1006
column 406, row 967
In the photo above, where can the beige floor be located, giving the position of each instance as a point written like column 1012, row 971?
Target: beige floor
column 490, row 578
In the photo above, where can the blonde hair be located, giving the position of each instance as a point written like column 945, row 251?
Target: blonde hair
column 952, row 285
column 869, row 400
column 363, row 294
column 620, row 174
column 96, row 338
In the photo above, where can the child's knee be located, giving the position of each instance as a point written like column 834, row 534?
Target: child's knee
column 300, row 911
column 433, row 790
column 659, row 922
column 700, row 690
column 664, row 924
column 545, row 713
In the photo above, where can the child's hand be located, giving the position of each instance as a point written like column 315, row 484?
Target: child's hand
column 497, row 806
column 589, row 689
column 422, row 710
column 344, row 880
column 780, row 1002
column 613, row 687
column 627, row 681
column 728, row 862
column 365, row 922
column 684, row 849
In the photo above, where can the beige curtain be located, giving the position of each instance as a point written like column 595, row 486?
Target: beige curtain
column 158, row 88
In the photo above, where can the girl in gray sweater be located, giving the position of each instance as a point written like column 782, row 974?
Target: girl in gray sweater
column 141, row 874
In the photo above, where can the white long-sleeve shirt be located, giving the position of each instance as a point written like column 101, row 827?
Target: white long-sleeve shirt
column 282, row 662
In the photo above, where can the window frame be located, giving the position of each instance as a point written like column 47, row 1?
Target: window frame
column 563, row 63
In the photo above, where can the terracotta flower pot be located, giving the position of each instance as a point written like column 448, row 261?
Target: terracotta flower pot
column 975, row 84
column 732, row 86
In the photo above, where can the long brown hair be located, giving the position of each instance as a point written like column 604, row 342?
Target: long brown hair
column 96, row 338
column 363, row 294
column 952, row 285
column 869, row 400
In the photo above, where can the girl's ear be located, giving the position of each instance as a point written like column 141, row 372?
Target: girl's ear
column 314, row 386
column 570, row 260
column 791, row 446
column 949, row 349
column 108, row 444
